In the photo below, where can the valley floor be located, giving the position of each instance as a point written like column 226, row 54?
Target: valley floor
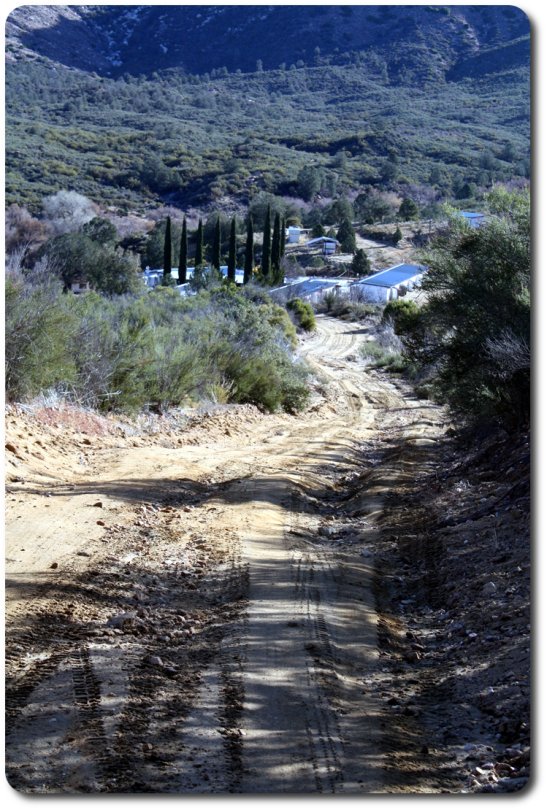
column 244, row 603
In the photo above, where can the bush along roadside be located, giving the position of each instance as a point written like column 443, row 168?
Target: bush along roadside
column 302, row 313
column 151, row 350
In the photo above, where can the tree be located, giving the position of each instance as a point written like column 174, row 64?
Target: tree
column 371, row 207
column 266, row 261
column 408, row 209
column 167, row 248
column 232, row 252
column 200, row 251
column 283, row 236
column 474, row 331
column 276, row 248
column 101, row 230
column 339, row 210
column 75, row 255
column 317, row 231
column 67, row 211
column 397, row 235
column 23, row 230
column 346, row 237
column 389, row 169
column 308, row 182
column 249, row 252
column 183, row 253
column 360, row 264
column 216, row 258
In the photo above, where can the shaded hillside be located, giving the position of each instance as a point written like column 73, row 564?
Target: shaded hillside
column 391, row 96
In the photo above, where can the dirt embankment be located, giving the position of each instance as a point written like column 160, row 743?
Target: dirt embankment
column 231, row 602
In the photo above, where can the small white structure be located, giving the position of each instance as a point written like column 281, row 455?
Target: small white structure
column 328, row 244
column 473, row 218
column 152, row 278
column 389, row 284
column 293, row 234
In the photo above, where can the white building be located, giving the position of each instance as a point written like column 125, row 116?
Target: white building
column 389, row 284
column 328, row 244
column 152, row 278
column 293, row 234
column 311, row 289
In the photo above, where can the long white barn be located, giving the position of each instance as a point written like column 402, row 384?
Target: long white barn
column 388, row 284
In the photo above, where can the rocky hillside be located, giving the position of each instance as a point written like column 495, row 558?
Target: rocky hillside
column 408, row 41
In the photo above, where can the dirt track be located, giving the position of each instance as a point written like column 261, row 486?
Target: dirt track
column 199, row 615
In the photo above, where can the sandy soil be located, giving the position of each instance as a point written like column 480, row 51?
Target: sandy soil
column 206, row 608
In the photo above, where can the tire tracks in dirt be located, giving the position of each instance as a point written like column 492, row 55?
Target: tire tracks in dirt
column 221, row 639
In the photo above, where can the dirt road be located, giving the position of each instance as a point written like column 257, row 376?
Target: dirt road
column 198, row 613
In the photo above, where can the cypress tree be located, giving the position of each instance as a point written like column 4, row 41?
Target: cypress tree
column 283, row 236
column 232, row 252
column 167, row 252
column 199, row 245
column 183, row 255
column 266, row 263
column 216, row 245
column 249, row 252
column 276, row 246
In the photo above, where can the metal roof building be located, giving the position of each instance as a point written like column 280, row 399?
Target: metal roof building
column 388, row 284
column 308, row 289
column 473, row 218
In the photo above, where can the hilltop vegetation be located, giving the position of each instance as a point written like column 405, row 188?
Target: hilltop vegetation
column 190, row 141
column 424, row 98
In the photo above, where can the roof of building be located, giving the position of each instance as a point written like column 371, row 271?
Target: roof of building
column 393, row 276
column 323, row 239
column 308, row 286
column 471, row 214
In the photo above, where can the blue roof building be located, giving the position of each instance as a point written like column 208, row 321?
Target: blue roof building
column 473, row 218
column 388, row 284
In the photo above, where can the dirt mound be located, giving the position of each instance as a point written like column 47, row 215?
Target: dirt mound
column 47, row 442
column 44, row 441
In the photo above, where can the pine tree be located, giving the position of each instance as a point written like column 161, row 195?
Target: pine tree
column 215, row 261
column 408, row 209
column 276, row 246
column 249, row 252
column 346, row 236
column 232, row 252
column 199, row 246
column 183, row 255
column 266, row 263
column 167, row 253
column 360, row 264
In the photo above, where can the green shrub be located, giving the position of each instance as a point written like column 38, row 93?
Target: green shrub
column 303, row 314
column 380, row 357
column 404, row 314
column 39, row 334
column 152, row 350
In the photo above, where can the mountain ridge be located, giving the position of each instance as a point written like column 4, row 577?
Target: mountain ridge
column 139, row 40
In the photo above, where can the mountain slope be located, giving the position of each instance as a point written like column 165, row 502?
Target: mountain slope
column 112, row 40
column 133, row 105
